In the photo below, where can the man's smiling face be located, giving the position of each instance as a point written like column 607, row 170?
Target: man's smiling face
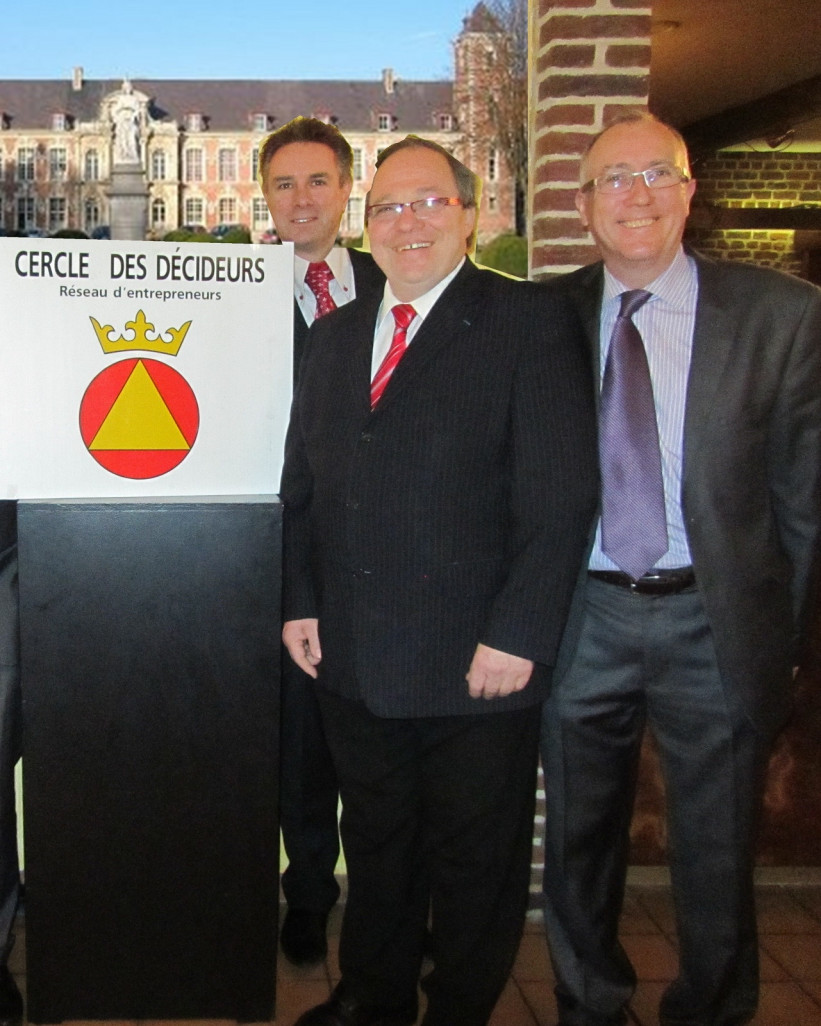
column 416, row 254
column 637, row 230
column 306, row 197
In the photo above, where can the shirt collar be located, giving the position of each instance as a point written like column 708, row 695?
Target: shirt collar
column 338, row 260
column 671, row 286
column 422, row 304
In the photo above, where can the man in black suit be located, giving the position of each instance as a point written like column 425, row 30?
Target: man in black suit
column 697, row 636
column 306, row 173
column 11, row 1003
column 438, row 475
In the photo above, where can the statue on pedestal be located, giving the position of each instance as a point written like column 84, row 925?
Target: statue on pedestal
column 125, row 114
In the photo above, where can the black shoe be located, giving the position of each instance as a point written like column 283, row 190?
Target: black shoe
column 303, row 936
column 342, row 1009
column 11, row 1001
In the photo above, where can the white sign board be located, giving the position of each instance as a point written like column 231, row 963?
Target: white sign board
column 143, row 368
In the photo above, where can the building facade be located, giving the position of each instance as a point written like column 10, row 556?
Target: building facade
column 197, row 142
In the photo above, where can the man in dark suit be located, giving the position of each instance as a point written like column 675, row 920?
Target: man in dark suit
column 306, row 173
column 11, row 1003
column 698, row 634
column 438, row 475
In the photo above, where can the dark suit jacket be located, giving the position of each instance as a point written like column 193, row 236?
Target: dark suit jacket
column 454, row 513
column 751, row 490
column 367, row 278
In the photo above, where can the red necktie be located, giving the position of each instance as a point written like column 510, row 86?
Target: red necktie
column 317, row 278
column 403, row 314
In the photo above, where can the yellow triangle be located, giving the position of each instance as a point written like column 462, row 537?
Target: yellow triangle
column 139, row 418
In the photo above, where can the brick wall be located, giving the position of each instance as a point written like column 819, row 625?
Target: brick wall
column 591, row 57
column 746, row 180
column 588, row 59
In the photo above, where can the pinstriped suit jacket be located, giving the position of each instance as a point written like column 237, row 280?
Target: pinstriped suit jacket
column 454, row 513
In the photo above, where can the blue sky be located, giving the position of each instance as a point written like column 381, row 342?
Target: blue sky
column 233, row 39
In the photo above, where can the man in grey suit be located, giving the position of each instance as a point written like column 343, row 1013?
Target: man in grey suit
column 698, row 635
column 439, row 476
column 306, row 174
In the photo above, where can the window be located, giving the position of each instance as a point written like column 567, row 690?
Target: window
column 254, row 163
column 158, row 213
column 445, row 122
column 492, row 165
column 25, row 164
column 92, row 166
column 259, row 212
column 194, row 210
column 91, row 215
column 228, row 210
column 355, row 215
column 59, row 122
column 383, row 123
column 227, row 165
column 57, row 164
column 56, row 213
column 194, row 122
column 357, row 164
column 259, row 122
column 193, row 165
column 158, row 165
column 491, row 203
column 25, row 212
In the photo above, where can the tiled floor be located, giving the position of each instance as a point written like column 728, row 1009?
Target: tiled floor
column 790, row 930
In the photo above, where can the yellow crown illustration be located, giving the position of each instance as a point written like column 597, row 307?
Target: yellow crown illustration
column 141, row 339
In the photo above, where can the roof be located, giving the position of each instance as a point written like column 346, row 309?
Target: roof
column 481, row 19
column 30, row 103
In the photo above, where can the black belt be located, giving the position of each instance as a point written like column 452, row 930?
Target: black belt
column 657, row 582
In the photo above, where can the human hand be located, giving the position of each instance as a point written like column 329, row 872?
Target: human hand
column 494, row 674
column 301, row 638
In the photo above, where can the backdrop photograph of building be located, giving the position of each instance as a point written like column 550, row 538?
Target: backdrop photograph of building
column 197, row 141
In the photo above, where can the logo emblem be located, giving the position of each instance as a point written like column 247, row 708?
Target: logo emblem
column 139, row 417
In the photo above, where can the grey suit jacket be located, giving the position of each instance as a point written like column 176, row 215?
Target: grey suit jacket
column 456, row 511
column 751, row 490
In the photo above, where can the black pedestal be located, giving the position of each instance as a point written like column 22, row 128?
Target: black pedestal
column 150, row 673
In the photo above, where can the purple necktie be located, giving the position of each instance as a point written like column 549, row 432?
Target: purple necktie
column 633, row 519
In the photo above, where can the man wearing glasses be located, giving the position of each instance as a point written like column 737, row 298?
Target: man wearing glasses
column 439, row 475
column 690, row 614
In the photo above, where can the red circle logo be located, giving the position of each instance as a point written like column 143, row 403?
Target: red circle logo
column 139, row 418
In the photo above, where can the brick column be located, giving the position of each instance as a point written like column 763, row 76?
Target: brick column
column 588, row 58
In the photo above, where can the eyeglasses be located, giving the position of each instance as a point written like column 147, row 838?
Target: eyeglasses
column 661, row 176
column 424, row 209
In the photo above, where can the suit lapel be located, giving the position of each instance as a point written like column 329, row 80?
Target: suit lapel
column 713, row 340
column 451, row 315
column 362, row 325
column 586, row 286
